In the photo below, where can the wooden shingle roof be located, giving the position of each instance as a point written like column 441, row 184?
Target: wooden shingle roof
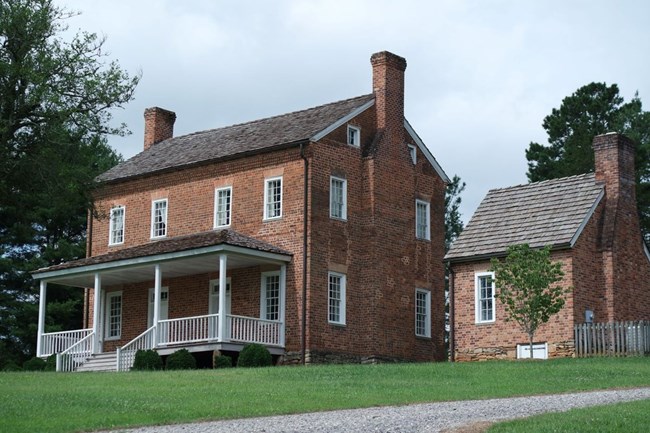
column 235, row 141
column 552, row 212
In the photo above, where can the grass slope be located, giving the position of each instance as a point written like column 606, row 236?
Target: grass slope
column 69, row 402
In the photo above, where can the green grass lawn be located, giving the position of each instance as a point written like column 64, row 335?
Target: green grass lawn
column 69, row 402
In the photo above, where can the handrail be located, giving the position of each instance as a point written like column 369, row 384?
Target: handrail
column 75, row 355
column 188, row 329
column 252, row 330
column 56, row 342
column 126, row 353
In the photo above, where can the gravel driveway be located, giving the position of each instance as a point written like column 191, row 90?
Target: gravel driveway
column 430, row 417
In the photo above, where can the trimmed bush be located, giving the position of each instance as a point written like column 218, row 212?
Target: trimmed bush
column 147, row 360
column 34, row 364
column 180, row 360
column 11, row 366
column 254, row 355
column 50, row 363
column 222, row 361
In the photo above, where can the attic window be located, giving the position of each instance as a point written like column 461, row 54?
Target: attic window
column 354, row 136
column 414, row 153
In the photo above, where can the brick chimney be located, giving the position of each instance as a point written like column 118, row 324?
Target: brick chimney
column 614, row 158
column 388, row 87
column 158, row 125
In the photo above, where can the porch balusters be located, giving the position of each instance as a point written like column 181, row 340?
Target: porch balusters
column 97, row 314
column 222, row 329
column 41, row 319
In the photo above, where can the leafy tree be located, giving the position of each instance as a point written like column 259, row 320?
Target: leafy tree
column 56, row 98
column 453, row 222
column 525, row 283
column 592, row 110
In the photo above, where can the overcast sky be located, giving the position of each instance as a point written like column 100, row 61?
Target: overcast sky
column 481, row 75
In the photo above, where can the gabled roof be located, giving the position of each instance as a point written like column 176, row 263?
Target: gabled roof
column 552, row 212
column 237, row 140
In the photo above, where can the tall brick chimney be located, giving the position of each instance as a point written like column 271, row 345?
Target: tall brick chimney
column 614, row 157
column 158, row 125
column 388, row 87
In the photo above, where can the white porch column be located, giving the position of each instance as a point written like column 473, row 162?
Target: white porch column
column 222, row 333
column 41, row 318
column 283, row 296
column 156, row 303
column 97, row 315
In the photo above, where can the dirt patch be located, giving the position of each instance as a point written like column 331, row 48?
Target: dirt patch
column 477, row 427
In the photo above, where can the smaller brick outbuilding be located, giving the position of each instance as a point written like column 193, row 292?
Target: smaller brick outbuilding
column 592, row 224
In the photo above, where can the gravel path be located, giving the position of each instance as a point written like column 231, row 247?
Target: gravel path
column 430, row 417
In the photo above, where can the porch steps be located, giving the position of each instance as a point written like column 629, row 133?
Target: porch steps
column 100, row 362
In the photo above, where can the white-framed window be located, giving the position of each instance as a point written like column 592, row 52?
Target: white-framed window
column 413, row 153
column 484, row 297
column 159, row 218
column 273, row 198
column 422, row 313
column 422, row 218
column 338, row 198
column 336, row 295
column 113, row 315
column 354, row 135
column 270, row 291
column 116, row 229
column 222, row 206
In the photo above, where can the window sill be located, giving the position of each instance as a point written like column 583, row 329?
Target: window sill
column 491, row 322
column 271, row 219
column 116, row 244
column 113, row 338
column 343, row 220
column 337, row 325
column 423, row 337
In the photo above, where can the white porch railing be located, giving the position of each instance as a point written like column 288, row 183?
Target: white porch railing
column 57, row 342
column 126, row 353
column 188, row 329
column 251, row 330
column 75, row 355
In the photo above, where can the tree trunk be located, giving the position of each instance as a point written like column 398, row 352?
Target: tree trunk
column 530, row 337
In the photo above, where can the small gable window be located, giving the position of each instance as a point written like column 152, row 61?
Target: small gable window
column 354, row 136
column 414, row 153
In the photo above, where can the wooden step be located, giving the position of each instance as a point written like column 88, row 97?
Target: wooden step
column 100, row 362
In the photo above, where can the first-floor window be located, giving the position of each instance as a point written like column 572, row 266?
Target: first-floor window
column 336, row 295
column 113, row 315
column 159, row 218
column 116, row 230
column 422, row 313
column 484, row 297
column 271, row 295
column 222, row 207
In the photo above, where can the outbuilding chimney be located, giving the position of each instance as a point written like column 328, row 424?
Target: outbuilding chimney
column 158, row 125
column 614, row 163
column 388, row 87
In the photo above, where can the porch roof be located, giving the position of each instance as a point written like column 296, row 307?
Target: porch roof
column 178, row 256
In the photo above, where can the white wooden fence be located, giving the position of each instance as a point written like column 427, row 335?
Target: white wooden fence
column 612, row 339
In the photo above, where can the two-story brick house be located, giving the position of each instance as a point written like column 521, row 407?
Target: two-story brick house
column 325, row 225
column 592, row 224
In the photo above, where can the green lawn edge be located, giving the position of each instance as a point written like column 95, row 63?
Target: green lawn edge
column 71, row 402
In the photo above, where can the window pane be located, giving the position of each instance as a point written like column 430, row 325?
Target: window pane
column 117, row 225
column 334, row 298
column 422, row 220
column 337, row 198
column 421, row 313
column 486, row 298
column 274, row 198
column 223, row 207
column 159, row 219
column 272, row 297
column 115, row 316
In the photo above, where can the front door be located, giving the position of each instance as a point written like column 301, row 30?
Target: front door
column 164, row 305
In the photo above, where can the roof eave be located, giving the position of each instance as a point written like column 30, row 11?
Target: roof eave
column 498, row 254
column 343, row 120
column 587, row 217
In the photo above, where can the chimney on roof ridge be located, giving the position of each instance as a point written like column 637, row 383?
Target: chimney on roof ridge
column 388, row 87
column 614, row 163
column 158, row 125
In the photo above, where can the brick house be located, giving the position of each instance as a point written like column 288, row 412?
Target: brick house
column 324, row 225
column 592, row 223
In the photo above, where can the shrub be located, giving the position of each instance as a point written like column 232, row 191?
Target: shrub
column 180, row 360
column 34, row 364
column 254, row 355
column 222, row 361
column 147, row 360
column 50, row 363
column 11, row 366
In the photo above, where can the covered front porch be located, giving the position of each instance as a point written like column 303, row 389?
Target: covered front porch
column 166, row 295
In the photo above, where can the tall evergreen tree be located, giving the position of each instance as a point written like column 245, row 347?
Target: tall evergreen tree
column 56, row 98
column 592, row 110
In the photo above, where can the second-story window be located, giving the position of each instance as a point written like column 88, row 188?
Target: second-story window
column 222, row 207
column 159, row 218
column 422, row 230
column 273, row 198
column 338, row 198
column 116, row 230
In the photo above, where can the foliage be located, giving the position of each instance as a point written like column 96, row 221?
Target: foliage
column 56, row 97
column 77, row 402
column 222, row 361
column 50, row 363
column 254, row 355
column 592, row 110
column 11, row 366
column 453, row 221
column 147, row 360
column 180, row 360
column 525, row 283
column 34, row 364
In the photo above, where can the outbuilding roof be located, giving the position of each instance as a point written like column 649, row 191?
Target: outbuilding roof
column 552, row 212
